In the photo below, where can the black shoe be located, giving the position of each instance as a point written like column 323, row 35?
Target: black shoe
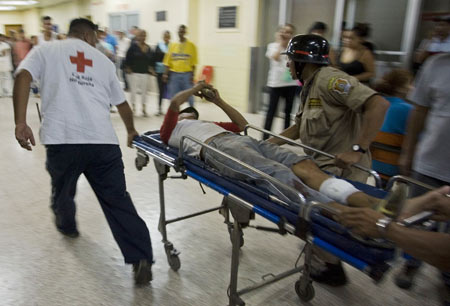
column 333, row 275
column 405, row 278
column 70, row 234
column 142, row 272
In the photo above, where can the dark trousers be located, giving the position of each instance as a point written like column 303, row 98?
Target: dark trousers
column 102, row 165
column 162, row 86
column 288, row 93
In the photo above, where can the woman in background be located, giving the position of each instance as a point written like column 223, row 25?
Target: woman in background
column 355, row 58
column 138, row 65
column 279, row 80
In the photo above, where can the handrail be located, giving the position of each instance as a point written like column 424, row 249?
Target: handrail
column 290, row 141
column 259, row 172
column 406, row 179
column 306, row 210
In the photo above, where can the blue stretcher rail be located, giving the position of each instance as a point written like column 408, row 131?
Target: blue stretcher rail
column 242, row 200
column 355, row 262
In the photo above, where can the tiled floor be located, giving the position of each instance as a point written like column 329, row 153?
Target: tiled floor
column 40, row 267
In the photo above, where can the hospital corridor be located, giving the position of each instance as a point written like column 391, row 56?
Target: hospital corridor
column 142, row 163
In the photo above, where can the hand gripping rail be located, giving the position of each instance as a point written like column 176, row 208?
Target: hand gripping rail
column 274, row 181
column 290, row 141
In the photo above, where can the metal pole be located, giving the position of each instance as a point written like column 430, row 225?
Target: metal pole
column 282, row 13
column 350, row 14
column 410, row 30
column 338, row 18
column 162, row 216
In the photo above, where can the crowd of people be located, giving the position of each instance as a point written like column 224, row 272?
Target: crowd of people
column 339, row 114
column 135, row 60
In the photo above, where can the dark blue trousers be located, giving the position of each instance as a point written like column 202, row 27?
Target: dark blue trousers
column 102, row 165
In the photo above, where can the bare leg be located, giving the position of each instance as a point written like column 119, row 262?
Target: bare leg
column 312, row 176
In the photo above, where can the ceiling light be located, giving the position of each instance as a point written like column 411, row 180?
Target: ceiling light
column 7, row 8
column 17, row 2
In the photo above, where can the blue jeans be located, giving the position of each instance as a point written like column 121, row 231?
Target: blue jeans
column 102, row 166
column 269, row 158
column 179, row 82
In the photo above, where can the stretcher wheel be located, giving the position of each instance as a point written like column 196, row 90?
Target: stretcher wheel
column 172, row 256
column 174, row 262
column 241, row 238
column 138, row 164
column 305, row 294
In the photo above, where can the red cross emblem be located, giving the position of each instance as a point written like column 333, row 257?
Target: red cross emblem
column 80, row 61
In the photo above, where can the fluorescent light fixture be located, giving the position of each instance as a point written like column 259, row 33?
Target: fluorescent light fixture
column 18, row 2
column 7, row 8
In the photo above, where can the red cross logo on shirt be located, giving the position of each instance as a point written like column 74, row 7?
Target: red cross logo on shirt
column 80, row 61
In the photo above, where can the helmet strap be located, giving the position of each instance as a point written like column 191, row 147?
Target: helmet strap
column 299, row 69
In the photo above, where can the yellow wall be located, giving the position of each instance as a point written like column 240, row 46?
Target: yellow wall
column 228, row 51
column 60, row 13
column 10, row 18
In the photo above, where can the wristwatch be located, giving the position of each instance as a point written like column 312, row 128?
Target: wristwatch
column 357, row 148
column 382, row 225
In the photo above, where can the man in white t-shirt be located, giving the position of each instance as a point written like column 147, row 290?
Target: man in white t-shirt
column 5, row 68
column 78, row 86
column 47, row 34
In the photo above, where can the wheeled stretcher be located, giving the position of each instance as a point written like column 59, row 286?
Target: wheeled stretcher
column 244, row 201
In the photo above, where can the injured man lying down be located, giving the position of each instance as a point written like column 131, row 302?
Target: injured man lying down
column 298, row 172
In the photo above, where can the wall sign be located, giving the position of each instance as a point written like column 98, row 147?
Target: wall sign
column 161, row 16
column 227, row 17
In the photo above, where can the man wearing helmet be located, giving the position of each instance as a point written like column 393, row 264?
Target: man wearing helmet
column 337, row 115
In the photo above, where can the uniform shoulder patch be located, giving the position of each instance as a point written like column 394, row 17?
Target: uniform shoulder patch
column 339, row 85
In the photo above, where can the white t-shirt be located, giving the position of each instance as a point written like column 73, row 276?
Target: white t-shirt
column 439, row 46
column 201, row 130
column 432, row 91
column 5, row 57
column 122, row 47
column 78, row 85
column 279, row 75
column 42, row 41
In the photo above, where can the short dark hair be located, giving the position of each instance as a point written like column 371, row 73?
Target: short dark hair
column 46, row 18
column 362, row 30
column 80, row 26
column 182, row 26
column 318, row 26
column 190, row 110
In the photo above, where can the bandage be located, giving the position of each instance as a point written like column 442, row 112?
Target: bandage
column 337, row 189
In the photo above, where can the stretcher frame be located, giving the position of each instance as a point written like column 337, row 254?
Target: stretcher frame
column 242, row 212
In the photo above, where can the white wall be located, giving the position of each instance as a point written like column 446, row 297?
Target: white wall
column 177, row 13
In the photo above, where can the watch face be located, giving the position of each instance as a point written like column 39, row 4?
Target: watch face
column 355, row 147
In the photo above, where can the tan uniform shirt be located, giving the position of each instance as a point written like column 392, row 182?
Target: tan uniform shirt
column 330, row 117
